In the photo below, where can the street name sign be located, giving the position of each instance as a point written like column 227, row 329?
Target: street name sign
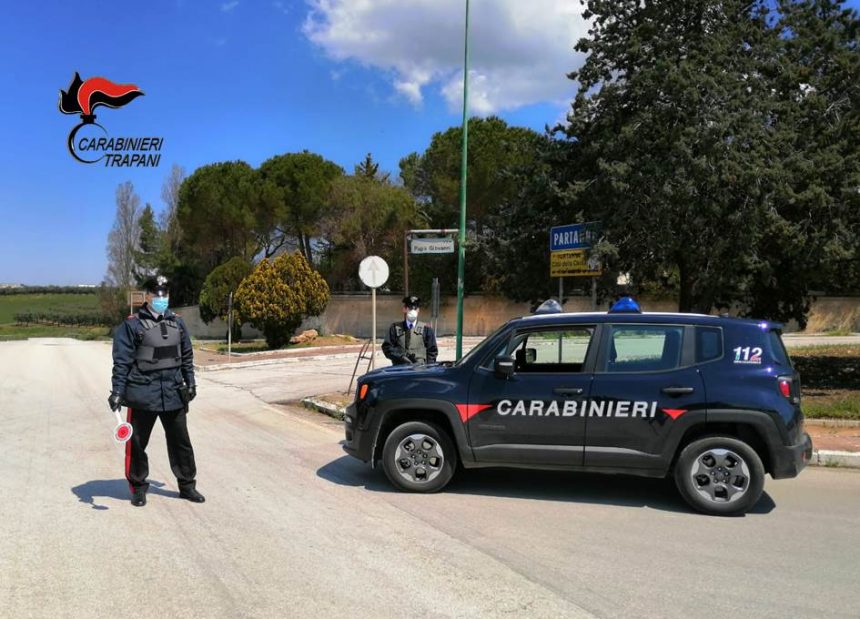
column 432, row 246
column 570, row 249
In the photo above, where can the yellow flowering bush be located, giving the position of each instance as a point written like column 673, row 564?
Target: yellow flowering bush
column 279, row 294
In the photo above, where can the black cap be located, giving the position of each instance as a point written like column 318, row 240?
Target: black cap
column 157, row 286
column 412, row 301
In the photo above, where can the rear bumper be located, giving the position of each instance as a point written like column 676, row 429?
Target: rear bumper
column 789, row 460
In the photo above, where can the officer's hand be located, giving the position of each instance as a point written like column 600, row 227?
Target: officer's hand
column 411, row 356
column 114, row 401
column 192, row 392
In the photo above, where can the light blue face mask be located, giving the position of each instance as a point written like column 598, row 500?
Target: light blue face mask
column 159, row 304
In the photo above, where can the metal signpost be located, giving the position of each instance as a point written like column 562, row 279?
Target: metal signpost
column 415, row 244
column 136, row 298
column 373, row 272
column 230, row 327
column 569, row 248
column 434, row 304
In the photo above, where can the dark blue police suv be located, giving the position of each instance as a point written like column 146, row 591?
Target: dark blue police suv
column 713, row 401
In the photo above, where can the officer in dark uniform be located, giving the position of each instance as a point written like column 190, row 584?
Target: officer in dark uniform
column 153, row 374
column 410, row 341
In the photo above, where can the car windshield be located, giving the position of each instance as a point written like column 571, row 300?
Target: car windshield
column 481, row 346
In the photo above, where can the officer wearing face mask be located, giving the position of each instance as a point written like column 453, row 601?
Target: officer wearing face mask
column 153, row 374
column 410, row 341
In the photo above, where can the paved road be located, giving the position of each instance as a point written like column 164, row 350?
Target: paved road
column 293, row 527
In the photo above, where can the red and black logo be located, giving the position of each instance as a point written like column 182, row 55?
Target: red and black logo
column 93, row 145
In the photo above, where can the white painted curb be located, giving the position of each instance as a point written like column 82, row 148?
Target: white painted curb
column 322, row 406
column 826, row 457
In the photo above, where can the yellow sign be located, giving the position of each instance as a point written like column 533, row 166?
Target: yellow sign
column 572, row 263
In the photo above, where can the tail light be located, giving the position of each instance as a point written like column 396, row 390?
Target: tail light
column 362, row 391
column 788, row 390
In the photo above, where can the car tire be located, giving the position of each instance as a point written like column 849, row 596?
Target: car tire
column 419, row 457
column 720, row 476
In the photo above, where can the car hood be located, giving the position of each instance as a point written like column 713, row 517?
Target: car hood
column 403, row 371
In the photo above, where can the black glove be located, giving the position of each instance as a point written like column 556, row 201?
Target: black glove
column 411, row 356
column 192, row 392
column 114, row 401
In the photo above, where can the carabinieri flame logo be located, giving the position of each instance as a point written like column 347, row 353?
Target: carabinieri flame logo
column 84, row 96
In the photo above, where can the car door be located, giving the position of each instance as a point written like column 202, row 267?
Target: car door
column 646, row 392
column 531, row 418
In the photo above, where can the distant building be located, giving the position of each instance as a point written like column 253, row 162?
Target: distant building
column 11, row 285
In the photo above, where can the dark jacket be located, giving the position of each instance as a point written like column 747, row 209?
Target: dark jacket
column 394, row 349
column 156, row 390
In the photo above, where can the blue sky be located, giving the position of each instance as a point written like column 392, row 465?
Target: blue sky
column 228, row 80
column 222, row 81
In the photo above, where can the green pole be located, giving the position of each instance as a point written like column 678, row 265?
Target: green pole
column 461, row 260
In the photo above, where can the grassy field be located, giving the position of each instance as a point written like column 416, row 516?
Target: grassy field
column 48, row 303
column 70, row 303
column 20, row 332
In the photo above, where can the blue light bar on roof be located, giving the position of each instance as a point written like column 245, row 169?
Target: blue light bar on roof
column 625, row 305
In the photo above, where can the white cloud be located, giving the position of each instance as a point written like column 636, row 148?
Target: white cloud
column 226, row 7
column 520, row 50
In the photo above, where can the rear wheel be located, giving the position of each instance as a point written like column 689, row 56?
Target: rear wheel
column 419, row 457
column 720, row 475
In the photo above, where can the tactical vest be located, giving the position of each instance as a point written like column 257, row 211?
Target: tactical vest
column 160, row 348
column 416, row 340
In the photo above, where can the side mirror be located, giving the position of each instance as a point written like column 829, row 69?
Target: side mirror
column 504, row 366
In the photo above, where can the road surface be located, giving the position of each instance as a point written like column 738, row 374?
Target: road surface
column 292, row 527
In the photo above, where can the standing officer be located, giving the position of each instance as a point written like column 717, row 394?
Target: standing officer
column 153, row 374
column 410, row 341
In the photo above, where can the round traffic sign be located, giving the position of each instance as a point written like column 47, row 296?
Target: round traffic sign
column 123, row 432
column 373, row 271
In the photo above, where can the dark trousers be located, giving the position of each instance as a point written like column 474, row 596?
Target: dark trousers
column 179, row 449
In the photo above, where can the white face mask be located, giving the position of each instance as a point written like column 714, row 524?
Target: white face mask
column 412, row 315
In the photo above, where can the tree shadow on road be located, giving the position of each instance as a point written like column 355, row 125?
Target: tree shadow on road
column 622, row 490
column 114, row 489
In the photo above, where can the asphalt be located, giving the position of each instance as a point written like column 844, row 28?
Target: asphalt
column 292, row 527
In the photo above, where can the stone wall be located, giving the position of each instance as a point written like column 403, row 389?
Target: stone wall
column 483, row 314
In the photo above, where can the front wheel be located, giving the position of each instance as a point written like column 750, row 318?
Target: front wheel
column 419, row 457
column 720, row 475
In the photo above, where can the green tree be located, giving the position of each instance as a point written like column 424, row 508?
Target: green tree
column 148, row 253
column 367, row 215
column 223, row 212
column 680, row 138
column 279, row 294
column 433, row 177
column 298, row 187
column 223, row 280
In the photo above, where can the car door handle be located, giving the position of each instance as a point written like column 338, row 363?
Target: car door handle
column 677, row 390
column 567, row 391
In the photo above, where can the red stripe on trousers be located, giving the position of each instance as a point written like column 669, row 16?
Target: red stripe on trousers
column 128, row 456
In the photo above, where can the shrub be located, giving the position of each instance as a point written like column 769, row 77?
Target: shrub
column 279, row 294
column 219, row 283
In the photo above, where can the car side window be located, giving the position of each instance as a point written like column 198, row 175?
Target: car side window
column 551, row 350
column 709, row 344
column 644, row 348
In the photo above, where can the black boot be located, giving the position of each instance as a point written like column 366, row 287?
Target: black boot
column 138, row 499
column 192, row 495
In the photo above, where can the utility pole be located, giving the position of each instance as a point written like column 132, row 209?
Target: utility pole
column 461, row 260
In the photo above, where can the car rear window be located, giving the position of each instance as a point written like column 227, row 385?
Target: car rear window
column 777, row 348
column 709, row 344
column 644, row 348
